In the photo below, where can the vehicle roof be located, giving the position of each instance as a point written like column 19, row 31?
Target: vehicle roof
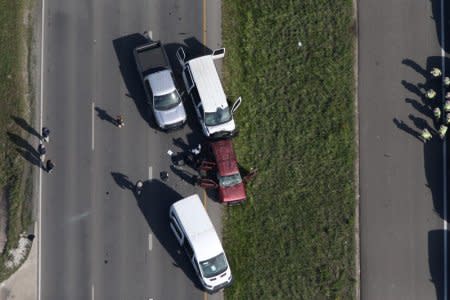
column 208, row 83
column 198, row 227
column 225, row 157
column 161, row 82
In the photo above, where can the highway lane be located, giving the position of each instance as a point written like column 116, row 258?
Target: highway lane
column 98, row 240
column 401, row 179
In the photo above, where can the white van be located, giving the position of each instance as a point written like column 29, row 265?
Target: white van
column 195, row 232
column 203, row 85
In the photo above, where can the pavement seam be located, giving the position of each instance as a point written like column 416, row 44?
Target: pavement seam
column 357, row 187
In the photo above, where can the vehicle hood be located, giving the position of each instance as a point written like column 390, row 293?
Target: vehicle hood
column 171, row 116
column 226, row 127
column 161, row 82
column 232, row 193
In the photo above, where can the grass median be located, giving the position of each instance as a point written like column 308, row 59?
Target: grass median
column 15, row 174
column 292, row 63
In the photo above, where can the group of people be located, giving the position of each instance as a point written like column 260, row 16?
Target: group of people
column 442, row 118
column 45, row 137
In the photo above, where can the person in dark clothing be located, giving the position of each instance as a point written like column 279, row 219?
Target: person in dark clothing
column 45, row 134
column 50, row 166
column 119, row 121
column 42, row 151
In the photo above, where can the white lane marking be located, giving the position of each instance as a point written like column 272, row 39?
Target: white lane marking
column 39, row 239
column 444, row 147
column 150, row 242
column 79, row 217
column 93, row 128
column 92, row 292
column 150, row 34
column 150, row 173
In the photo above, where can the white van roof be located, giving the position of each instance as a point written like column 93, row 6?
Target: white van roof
column 208, row 83
column 198, row 227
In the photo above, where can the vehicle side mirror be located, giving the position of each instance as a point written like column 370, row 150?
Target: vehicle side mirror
column 236, row 104
column 218, row 53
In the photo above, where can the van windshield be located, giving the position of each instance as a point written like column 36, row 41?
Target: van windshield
column 222, row 115
column 168, row 101
column 214, row 266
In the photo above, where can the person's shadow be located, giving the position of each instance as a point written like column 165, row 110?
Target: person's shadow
column 104, row 116
column 25, row 126
column 122, row 181
column 26, row 150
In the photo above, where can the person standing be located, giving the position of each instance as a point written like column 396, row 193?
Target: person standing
column 430, row 94
column 49, row 166
column 45, row 134
column 426, row 135
column 42, row 151
column 436, row 72
column 447, row 106
column 119, row 121
column 442, row 131
column 437, row 113
column 447, row 81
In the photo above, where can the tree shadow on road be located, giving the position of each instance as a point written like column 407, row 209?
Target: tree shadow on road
column 436, row 259
column 436, row 8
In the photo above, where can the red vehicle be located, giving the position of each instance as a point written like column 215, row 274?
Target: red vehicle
column 225, row 169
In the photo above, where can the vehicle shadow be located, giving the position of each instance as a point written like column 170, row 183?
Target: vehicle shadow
column 171, row 50
column 436, row 16
column 433, row 162
column 154, row 203
column 436, row 259
column 25, row 149
column 124, row 47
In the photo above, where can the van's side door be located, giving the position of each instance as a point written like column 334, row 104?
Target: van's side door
column 187, row 79
column 176, row 229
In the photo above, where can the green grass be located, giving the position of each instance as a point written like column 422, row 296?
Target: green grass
column 17, row 188
column 295, row 237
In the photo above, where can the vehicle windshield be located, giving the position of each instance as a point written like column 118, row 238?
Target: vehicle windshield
column 219, row 117
column 214, row 266
column 168, row 101
column 227, row 181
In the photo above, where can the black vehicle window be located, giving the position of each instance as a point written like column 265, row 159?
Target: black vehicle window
column 195, row 96
column 188, row 249
column 200, row 108
column 176, row 228
column 187, row 75
column 147, row 88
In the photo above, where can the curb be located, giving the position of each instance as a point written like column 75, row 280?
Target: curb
column 357, row 187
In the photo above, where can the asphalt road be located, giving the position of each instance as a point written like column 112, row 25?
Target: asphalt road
column 98, row 240
column 401, row 178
